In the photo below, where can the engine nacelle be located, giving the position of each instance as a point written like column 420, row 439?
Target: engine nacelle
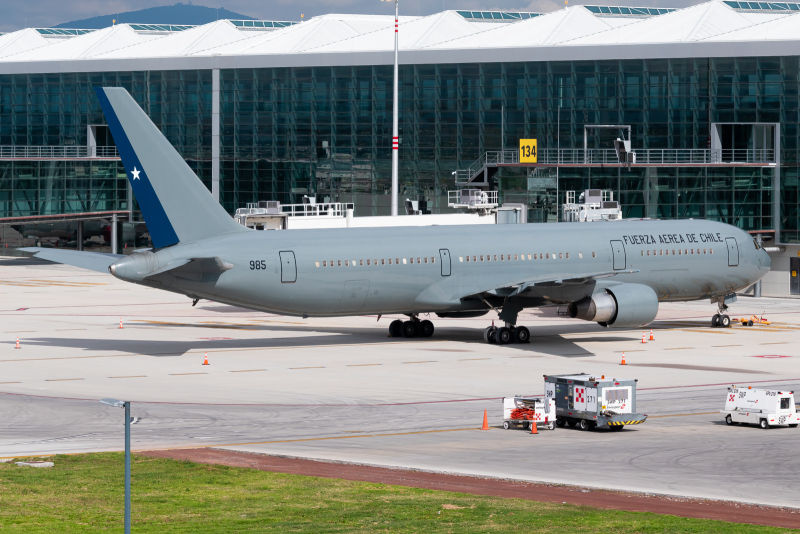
column 620, row 306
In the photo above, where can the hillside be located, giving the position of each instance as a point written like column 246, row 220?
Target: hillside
column 175, row 14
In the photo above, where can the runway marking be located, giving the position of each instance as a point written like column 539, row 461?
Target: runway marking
column 424, row 361
column 726, row 345
column 632, row 350
column 10, row 382
column 70, row 329
column 182, row 374
column 531, row 356
column 248, row 371
column 679, row 348
column 20, row 332
column 130, row 376
column 775, row 343
column 473, row 359
column 680, row 415
column 61, row 379
column 363, row 364
column 315, row 367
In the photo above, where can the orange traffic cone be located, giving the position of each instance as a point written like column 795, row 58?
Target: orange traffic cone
column 485, row 421
column 644, row 335
column 205, row 361
column 533, row 428
column 17, row 345
column 623, row 359
column 651, row 335
column 120, row 323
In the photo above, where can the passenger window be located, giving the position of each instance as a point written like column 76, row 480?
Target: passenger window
column 317, row 263
column 346, row 264
column 642, row 251
column 324, row 263
column 495, row 257
column 679, row 252
column 339, row 263
column 361, row 262
column 481, row 257
column 516, row 257
column 529, row 256
column 704, row 251
column 418, row 261
column 580, row 255
column 354, row 263
column 383, row 261
column 397, row 261
column 711, row 251
column 594, row 254
column 560, row 256
column 673, row 252
column 548, row 255
column 567, row 255
column 368, row 262
column 535, row 256
column 433, row 259
column 426, row 260
column 404, row 261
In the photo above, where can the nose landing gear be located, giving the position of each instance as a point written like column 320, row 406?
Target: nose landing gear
column 506, row 334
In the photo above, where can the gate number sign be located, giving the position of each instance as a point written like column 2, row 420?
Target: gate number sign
column 527, row 151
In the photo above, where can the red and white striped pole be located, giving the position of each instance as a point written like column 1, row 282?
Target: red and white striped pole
column 395, row 132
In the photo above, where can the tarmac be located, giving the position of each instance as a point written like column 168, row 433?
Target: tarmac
column 340, row 389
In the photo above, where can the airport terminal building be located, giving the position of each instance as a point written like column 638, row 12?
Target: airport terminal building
column 708, row 97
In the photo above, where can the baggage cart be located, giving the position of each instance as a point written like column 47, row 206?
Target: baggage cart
column 526, row 411
column 762, row 407
column 592, row 401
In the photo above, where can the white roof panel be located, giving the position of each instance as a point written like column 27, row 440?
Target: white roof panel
column 85, row 46
column 691, row 24
column 784, row 28
column 22, row 41
column 183, row 43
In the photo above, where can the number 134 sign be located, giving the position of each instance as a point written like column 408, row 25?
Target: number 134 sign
column 527, row 151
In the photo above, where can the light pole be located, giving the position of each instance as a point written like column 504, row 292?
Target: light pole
column 395, row 138
column 127, row 405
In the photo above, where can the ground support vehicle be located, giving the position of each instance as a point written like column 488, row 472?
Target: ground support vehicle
column 525, row 411
column 591, row 401
column 762, row 407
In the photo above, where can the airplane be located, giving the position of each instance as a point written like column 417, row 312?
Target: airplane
column 614, row 273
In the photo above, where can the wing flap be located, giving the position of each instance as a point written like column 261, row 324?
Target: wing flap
column 548, row 280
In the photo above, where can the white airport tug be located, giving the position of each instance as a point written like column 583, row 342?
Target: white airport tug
column 762, row 407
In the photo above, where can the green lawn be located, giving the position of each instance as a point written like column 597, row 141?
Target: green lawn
column 85, row 494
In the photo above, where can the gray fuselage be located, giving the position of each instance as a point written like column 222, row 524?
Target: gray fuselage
column 354, row 271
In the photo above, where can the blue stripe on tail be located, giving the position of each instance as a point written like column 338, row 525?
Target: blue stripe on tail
column 158, row 225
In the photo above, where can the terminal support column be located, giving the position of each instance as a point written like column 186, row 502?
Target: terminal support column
column 215, row 134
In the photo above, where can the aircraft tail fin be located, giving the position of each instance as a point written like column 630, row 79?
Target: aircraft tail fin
column 176, row 206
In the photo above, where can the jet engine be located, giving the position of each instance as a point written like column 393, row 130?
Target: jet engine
column 619, row 306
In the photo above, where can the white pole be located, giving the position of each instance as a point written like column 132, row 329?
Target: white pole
column 395, row 140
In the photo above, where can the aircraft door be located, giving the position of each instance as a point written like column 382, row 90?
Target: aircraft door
column 733, row 251
column 445, row 255
column 618, row 251
column 288, row 267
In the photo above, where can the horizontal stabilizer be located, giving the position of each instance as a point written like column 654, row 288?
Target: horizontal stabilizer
column 93, row 261
column 193, row 268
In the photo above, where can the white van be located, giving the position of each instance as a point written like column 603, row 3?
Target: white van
column 761, row 407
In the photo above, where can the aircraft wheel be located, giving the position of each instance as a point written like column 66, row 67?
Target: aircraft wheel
column 425, row 328
column 409, row 329
column 522, row 335
column 504, row 336
column 396, row 328
column 715, row 321
column 488, row 334
column 724, row 321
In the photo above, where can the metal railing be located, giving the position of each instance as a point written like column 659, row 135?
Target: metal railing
column 472, row 199
column 592, row 156
column 58, row 152
column 324, row 209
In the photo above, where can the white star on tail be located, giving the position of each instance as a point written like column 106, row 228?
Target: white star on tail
column 135, row 174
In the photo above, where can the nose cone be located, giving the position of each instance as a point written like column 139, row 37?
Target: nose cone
column 764, row 260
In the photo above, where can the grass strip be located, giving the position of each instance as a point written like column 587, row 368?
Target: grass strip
column 84, row 493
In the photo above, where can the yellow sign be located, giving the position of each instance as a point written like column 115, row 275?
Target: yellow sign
column 527, row 151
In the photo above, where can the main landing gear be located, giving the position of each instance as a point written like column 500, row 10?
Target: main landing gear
column 506, row 334
column 411, row 328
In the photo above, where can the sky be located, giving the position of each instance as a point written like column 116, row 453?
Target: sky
column 46, row 13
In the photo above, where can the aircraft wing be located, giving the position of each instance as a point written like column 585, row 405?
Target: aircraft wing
column 519, row 287
column 93, row 261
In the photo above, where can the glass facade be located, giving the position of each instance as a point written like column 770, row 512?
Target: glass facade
column 287, row 132
column 61, row 109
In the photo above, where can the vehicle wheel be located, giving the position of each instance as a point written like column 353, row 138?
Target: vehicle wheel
column 396, row 328
column 571, row 423
column 409, row 329
column 488, row 334
column 522, row 335
column 729, row 419
column 506, row 425
column 425, row 328
column 559, row 422
column 552, row 426
column 526, row 425
column 617, row 428
column 504, row 336
column 583, row 424
column 763, row 423
column 724, row 321
column 715, row 321
column 750, row 322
